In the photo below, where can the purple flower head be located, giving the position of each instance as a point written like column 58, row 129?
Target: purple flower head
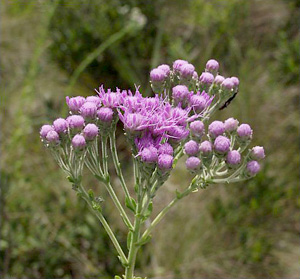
column 244, row 131
column 149, row 154
column 45, row 129
column 157, row 75
column 178, row 64
column 177, row 133
column 90, row 131
column 180, row 93
column 75, row 121
column 78, row 142
column 52, row 137
column 222, row 145
column 88, row 110
column 219, row 79
column 257, row 153
column 235, row 81
column 198, row 103
column 206, row 147
column 110, row 99
column 231, row 124
column 132, row 121
column 165, row 161
column 253, row 167
column 195, row 75
column 212, row 65
column 94, row 99
column 187, row 70
column 227, row 83
column 216, row 128
column 75, row 103
column 191, row 148
column 179, row 116
column 165, row 148
column 165, row 68
column 206, row 78
column 193, row 163
column 105, row 114
column 60, row 125
column 197, row 128
column 233, row 158
column 145, row 141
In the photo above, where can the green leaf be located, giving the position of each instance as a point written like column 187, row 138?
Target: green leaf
column 129, row 238
column 91, row 194
column 144, row 241
column 71, row 179
column 148, row 211
column 130, row 203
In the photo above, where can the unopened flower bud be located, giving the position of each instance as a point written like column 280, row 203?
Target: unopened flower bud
column 206, row 78
column 75, row 122
column 88, row 110
column 244, row 131
column 165, row 161
column 52, row 137
column 219, row 79
column 198, row 103
column 227, row 84
column 257, row 153
column 45, row 129
column 149, row 154
column 94, row 99
column 233, row 158
column 206, row 148
column 90, row 131
column 197, row 128
column 165, row 148
column 231, row 125
column 216, row 128
column 165, row 68
column 193, row 163
column 78, row 142
column 75, row 103
column 178, row 64
column 212, row 66
column 235, row 81
column 187, row 70
column 253, row 168
column 60, row 125
column 191, row 148
column 180, row 93
column 157, row 75
column 222, row 145
column 195, row 75
column 105, row 114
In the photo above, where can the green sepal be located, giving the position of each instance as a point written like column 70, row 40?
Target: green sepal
column 136, row 187
column 129, row 238
column 148, row 211
column 71, row 179
column 91, row 194
column 130, row 203
column 178, row 194
column 96, row 206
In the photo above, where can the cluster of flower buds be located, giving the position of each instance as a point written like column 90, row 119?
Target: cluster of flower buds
column 159, row 127
column 219, row 152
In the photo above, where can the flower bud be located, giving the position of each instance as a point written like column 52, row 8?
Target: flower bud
column 165, row 161
column 198, row 103
column 212, row 66
column 257, row 153
column 197, row 128
column 231, row 125
column 178, row 64
column 52, row 137
column 253, row 168
column 105, row 114
column 222, row 145
column 149, row 154
column 206, row 78
column 75, row 103
column 195, row 75
column 227, row 84
column 186, row 71
column 165, row 68
column 94, row 99
column 180, row 93
column 233, row 158
column 157, row 75
column 90, row 131
column 88, row 110
column 244, row 131
column 75, row 122
column 206, row 148
column 165, row 148
column 216, row 128
column 60, row 125
column 45, row 129
column 235, row 81
column 191, row 148
column 78, row 142
column 193, row 163
column 219, row 79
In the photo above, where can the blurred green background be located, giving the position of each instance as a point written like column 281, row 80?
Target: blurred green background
column 51, row 49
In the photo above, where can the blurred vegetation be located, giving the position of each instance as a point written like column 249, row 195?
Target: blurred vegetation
column 54, row 48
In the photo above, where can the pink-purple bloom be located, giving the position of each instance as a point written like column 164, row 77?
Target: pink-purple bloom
column 191, row 148
column 244, row 131
column 233, row 158
column 88, row 110
column 105, row 114
column 257, row 153
column 253, row 167
column 52, row 137
column 197, row 128
column 94, row 99
column 149, row 154
column 206, row 148
column 165, row 148
column 206, row 78
column 227, row 83
column 219, row 79
column 75, row 121
column 216, row 128
column 60, row 125
column 78, row 142
column 187, row 70
column 212, row 65
column 193, row 163
column 165, row 161
column 178, row 64
column 231, row 124
column 235, row 81
column 180, row 93
column 157, row 75
column 165, row 68
column 75, row 103
column 45, row 129
column 90, row 131
column 221, row 144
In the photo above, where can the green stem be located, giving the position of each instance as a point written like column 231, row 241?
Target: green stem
column 117, row 163
column 106, row 226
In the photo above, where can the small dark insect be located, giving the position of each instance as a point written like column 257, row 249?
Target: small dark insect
column 228, row 101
